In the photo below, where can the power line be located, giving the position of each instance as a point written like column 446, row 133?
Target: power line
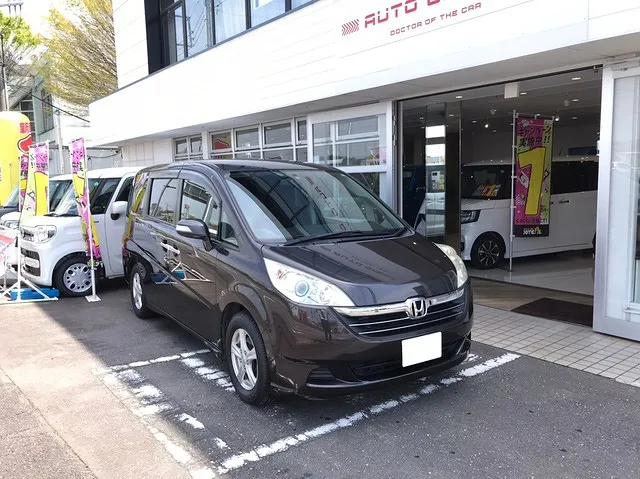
column 53, row 106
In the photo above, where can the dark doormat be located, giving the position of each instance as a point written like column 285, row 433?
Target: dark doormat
column 558, row 310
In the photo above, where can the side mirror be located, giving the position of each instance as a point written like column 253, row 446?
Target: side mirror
column 119, row 208
column 195, row 229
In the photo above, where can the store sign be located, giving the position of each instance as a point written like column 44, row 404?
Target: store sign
column 81, row 188
column 534, row 146
column 370, row 24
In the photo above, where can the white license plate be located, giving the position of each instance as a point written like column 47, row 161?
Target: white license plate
column 33, row 263
column 421, row 349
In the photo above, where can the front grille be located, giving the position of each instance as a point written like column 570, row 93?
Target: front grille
column 33, row 255
column 381, row 324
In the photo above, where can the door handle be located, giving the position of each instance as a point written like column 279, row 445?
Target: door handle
column 170, row 248
column 564, row 202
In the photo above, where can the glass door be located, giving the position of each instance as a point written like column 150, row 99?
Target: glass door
column 431, row 169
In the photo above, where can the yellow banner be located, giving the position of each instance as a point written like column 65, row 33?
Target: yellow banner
column 15, row 139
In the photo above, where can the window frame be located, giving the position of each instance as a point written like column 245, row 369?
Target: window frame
column 190, row 155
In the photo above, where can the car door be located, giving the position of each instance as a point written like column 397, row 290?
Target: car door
column 197, row 269
column 574, row 204
column 99, row 202
column 158, row 229
column 114, row 229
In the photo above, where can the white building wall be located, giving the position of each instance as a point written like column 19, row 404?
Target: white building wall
column 129, row 25
column 304, row 58
column 147, row 153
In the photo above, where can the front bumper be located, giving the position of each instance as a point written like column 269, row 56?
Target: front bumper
column 322, row 354
column 35, row 266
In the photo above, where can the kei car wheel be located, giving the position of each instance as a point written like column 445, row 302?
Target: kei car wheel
column 138, row 298
column 487, row 251
column 247, row 360
column 72, row 277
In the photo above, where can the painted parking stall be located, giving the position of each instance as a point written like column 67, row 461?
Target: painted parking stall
column 209, row 431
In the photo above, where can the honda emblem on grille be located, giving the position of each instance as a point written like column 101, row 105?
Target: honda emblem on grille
column 417, row 307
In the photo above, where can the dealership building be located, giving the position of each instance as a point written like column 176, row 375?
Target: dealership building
column 406, row 95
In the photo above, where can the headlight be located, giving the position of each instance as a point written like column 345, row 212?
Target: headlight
column 44, row 233
column 10, row 224
column 302, row 288
column 457, row 262
column 469, row 216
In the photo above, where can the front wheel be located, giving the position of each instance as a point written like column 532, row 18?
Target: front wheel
column 487, row 252
column 72, row 277
column 247, row 359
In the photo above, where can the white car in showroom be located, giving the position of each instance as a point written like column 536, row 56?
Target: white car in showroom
column 53, row 246
column 486, row 202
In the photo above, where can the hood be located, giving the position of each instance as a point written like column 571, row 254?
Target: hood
column 7, row 209
column 478, row 204
column 12, row 216
column 374, row 272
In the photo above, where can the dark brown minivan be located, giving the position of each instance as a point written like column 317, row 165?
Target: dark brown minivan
column 297, row 275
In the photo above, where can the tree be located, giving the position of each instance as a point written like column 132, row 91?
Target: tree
column 79, row 65
column 17, row 47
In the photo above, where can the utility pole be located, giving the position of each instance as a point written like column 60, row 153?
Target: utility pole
column 15, row 8
column 59, row 137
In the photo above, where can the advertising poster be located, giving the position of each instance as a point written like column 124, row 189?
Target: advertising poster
column 15, row 139
column 24, row 168
column 5, row 244
column 30, row 200
column 41, row 176
column 534, row 142
column 81, row 187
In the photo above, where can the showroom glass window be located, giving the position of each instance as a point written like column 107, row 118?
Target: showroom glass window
column 187, row 148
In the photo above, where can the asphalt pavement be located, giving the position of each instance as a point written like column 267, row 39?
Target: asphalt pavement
column 109, row 395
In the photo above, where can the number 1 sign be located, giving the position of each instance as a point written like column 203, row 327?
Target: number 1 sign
column 532, row 185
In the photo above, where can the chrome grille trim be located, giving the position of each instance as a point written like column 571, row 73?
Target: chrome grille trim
column 364, row 311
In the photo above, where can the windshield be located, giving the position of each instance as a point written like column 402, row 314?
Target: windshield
column 489, row 182
column 57, row 189
column 68, row 206
column 12, row 201
column 285, row 205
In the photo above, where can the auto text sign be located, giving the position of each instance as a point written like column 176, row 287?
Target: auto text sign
column 534, row 145
column 367, row 25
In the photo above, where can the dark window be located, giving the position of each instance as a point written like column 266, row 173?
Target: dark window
column 573, row 177
column 195, row 200
column 486, row 182
column 123, row 195
column 226, row 230
column 103, row 196
column 191, row 26
column 57, row 191
column 47, row 112
column 164, row 195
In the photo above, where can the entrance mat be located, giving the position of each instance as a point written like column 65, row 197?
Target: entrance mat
column 558, row 310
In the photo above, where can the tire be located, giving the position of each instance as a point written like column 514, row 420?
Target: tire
column 487, row 251
column 252, row 384
column 72, row 277
column 136, row 293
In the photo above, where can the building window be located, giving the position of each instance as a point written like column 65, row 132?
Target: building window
column 187, row 148
column 221, row 146
column 264, row 10
column 301, row 141
column 192, row 26
column 248, row 138
column 25, row 106
column 230, row 18
column 47, row 112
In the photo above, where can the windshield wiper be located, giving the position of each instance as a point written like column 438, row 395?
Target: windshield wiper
column 340, row 235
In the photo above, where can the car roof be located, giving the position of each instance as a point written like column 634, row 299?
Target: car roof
column 507, row 161
column 61, row 177
column 117, row 172
column 226, row 166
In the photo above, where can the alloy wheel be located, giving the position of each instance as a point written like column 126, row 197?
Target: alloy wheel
column 488, row 253
column 136, row 288
column 244, row 359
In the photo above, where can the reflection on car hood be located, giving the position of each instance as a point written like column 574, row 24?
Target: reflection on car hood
column 479, row 204
column 378, row 271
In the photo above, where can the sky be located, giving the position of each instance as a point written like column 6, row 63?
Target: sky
column 33, row 12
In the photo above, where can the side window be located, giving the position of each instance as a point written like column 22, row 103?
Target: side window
column 570, row 177
column 137, row 193
column 103, row 196
column 226, row 230
column 198, row 204
column 123, row 195
column 164, row 195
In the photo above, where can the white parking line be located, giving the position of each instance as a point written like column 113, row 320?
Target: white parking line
column 239, row 460
column 218, row 376
column 147, row 362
